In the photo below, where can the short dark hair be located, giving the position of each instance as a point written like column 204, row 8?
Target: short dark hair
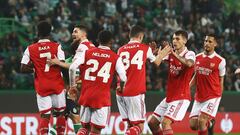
column 213, row 35
column 183, row 33
column 44, row 28
column 105, row 37
column 135, row 31
column 82, row 27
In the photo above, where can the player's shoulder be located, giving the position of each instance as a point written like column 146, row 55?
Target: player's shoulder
column 87, row 44
column 191, row 52
column 219, row 57
column 200, row 54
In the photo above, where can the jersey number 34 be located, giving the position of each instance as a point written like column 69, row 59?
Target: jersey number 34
column 137, row 59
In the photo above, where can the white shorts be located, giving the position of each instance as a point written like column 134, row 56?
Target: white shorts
column 97, row 117
column 174, row 110
column 208, row 107
column 132, row 108
column 56, row 102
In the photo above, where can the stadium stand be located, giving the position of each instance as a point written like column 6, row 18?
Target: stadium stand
column 161, row 18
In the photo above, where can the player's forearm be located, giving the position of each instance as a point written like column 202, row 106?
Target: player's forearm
column 159, row 59
column 26, row 69
column 63, row 65
column 222, row 83
column 193, row 81
column 72, row 76
column 185, row 61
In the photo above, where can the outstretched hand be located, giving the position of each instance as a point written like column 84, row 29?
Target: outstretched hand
column 166, row 50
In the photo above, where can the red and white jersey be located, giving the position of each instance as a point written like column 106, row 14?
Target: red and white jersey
column 179, row 77
column 82, row 47
column 47, row 79
column 209, row 69
column 97, row 68
column 134, row 56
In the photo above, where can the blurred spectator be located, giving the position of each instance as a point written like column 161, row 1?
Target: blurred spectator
column 237, row 83
column 160, row 18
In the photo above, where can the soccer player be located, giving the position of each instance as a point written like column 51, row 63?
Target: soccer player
column 131, row 102
column 79, row 35
column 209, row 78
column 79, row 45
column 49, row 97
column 181, row 67
column 98, row 66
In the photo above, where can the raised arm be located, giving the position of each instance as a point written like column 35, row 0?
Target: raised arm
column 59, row 59
column 162, row 53
column 56, row 61
column 188, row 60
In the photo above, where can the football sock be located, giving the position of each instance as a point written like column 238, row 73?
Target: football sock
column 60, row 125
column 43, row 127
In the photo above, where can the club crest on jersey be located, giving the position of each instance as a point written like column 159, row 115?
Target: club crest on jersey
column 212, row 65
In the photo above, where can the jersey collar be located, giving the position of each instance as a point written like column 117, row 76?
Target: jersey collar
column 133, row 41
column 85, row 40
column 104, row 47
column 209, row 56
column 183, row 52
column 43, row 40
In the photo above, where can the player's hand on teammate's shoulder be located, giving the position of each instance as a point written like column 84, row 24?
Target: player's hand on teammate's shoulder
column 54, row 61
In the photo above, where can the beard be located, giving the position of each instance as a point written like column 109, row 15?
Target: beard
column 74, row 46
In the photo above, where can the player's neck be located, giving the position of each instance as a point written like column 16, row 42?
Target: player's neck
column 180, row 50
column 83, row 39
column 136, row 39
column 208, row 53
column 42, row 37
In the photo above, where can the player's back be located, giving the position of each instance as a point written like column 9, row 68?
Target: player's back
column 97, row 74
column 48, row 79
column 134, row 56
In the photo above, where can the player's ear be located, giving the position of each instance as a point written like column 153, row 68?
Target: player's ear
column 184, row 40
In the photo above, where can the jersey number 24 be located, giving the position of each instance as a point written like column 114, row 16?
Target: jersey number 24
column 104, row 71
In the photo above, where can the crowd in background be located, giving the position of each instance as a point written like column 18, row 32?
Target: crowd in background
column 160, row 18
